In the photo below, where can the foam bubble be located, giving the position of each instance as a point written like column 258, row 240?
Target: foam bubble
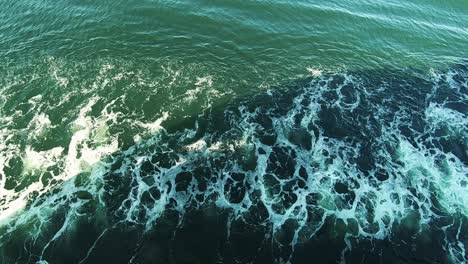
column 313, row 71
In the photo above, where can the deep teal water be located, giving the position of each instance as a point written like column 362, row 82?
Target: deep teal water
column 233, row 131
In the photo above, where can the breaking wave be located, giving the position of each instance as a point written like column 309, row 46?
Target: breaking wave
column 377, row 159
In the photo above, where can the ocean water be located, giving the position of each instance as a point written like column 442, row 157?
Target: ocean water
column 147, row 131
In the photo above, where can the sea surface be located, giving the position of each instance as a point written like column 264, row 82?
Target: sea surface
column 145, row 131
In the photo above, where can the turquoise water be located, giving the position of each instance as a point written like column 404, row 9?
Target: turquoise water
column 233, row 131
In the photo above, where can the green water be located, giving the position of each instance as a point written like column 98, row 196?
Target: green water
column 132, row 121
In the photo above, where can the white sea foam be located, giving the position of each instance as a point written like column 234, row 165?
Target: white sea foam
column 207, row 80
column 313, row 71
column 81, row 156
column 155, row 126
column 291, row 180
